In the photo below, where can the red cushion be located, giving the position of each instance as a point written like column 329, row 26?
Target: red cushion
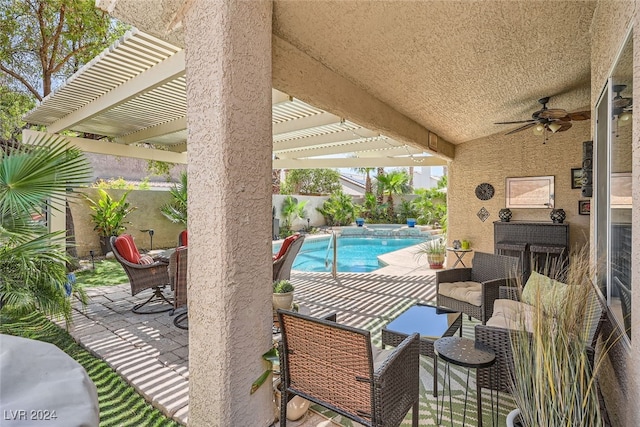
column 182, row 240
column 285, row 245
column 127, row 249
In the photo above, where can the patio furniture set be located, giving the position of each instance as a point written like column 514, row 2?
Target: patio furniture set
column 336, row 366
column 169, row 268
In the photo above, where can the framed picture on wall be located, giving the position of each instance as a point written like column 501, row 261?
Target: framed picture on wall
column 576, row 178
column 535, row 192
column 584, row 207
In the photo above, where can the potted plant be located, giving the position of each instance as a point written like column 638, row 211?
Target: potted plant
column 109, row 216
column 435, row 252
column 282, row 294
column 554, row 379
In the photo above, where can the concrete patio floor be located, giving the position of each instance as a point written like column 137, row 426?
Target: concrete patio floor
column 153, row 356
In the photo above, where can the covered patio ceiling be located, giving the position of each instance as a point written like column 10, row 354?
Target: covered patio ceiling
column 134, row 93
column 444, row 71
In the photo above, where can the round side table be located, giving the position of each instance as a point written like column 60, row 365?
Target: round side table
column 469, row 354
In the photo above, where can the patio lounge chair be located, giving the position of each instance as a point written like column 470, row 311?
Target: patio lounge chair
column 335, row 366
column 496, row 334
column 473, row 290
column 153, row 276
column 178, row 276
column 283, row 260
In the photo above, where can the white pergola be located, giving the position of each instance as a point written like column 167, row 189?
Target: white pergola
column 133, row 96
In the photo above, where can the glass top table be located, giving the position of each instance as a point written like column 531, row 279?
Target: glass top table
column 430, row 322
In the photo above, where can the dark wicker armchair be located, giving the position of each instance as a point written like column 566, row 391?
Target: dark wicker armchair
column 153, row 276
column 178, row 276
column 473, row 290
column 499, row 340
column 333, row 366
column 283, row 261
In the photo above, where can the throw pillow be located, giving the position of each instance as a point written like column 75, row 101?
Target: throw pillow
column 127, row 249
column 285, row 245
column 543, row 290
column 145, row 260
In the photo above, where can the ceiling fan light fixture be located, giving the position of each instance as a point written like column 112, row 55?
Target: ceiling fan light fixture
column 624, row 119
column 554, row 127
column 538, row 129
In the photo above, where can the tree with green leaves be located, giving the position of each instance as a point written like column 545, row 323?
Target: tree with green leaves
column 33, row 273
column 13, row 105
column 42, row 43
column 394, row 182
column 46, row 41
column 311, row 181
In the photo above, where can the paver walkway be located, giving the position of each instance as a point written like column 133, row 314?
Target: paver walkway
column 153, row 356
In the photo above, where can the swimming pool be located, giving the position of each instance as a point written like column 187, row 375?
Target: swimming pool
column 355, row 254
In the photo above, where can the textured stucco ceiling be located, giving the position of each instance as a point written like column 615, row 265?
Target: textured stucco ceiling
column 454, row 67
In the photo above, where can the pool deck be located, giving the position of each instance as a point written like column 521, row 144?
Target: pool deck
column 153, row 355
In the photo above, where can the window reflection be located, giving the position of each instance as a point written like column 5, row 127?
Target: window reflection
column 619, row 191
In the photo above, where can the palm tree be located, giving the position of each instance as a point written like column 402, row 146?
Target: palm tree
column 368, row 188
column 379, row 189
column 394, row 182
column 33, row 273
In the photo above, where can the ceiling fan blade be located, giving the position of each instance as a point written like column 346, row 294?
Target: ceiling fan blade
column 553, row 113
column 527, row 126
column 513, row 123
column 564, row 126
column 619, row 102
column 579, row 115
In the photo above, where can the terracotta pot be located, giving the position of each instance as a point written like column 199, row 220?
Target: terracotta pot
column 283, row 301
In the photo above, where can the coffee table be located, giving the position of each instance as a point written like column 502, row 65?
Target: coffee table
column 431, row 323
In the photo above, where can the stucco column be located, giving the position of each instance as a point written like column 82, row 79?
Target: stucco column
column 228, row 62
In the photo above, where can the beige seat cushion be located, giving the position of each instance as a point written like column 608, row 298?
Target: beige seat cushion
column 509, row 314
column 470, row 292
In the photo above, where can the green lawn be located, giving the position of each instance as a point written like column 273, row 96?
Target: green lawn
column 107, row 273
column 120, row 404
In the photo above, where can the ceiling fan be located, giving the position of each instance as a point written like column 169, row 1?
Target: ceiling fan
column 551, row 119
column 620, row 104
column 622, row 108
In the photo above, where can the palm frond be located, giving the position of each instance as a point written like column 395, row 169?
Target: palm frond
column 38, row 172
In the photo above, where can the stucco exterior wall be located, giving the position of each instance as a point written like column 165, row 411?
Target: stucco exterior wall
column 146, row 216
column 495, row 158
column 620, row 374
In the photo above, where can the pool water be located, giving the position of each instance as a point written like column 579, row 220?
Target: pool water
column 355, row 254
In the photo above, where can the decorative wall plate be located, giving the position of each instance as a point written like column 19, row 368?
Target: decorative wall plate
column 483, row 214
column 484, row 191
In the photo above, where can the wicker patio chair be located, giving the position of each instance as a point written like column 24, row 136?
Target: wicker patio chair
column 499, row 340
column 335, row 366
column 178, row 276
column 283, row 261
column 153, row 276
column 473, row 290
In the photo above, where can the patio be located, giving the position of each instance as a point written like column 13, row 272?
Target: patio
column 153, row 355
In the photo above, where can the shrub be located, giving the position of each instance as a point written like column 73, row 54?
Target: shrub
column 339, row 209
